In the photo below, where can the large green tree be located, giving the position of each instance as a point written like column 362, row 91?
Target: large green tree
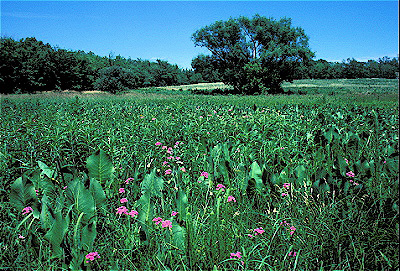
column 255, row 55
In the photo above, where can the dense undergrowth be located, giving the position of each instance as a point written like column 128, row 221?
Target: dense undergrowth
column 198, row 184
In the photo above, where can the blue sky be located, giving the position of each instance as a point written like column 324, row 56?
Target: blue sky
column 163, row 29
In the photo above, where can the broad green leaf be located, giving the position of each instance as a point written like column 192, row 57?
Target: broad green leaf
column 178, row 236
column 57, row 233
column 301, row 175
column 152, row 184
column 256, row 174
column 50, row 173
column 145, row 207
column 89, row 233
column 23, row 194
column 81, row 198
column 100, row 166
column 97, row 192
column 45, row 215
column 181, row 204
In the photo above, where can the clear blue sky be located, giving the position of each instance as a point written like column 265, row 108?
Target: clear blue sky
column 151, row 30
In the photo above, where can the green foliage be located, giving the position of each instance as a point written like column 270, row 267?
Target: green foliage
column 254, row 55
column 309, row 174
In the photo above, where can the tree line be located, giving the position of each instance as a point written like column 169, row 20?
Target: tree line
column 29, row 65
column 254, row 55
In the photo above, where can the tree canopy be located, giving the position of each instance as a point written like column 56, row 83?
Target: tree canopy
column 257, row 54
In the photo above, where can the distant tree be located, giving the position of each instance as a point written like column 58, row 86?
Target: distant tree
column 255, row 55
column 204, row 65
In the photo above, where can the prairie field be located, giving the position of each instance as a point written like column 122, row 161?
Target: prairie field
column 165, row 179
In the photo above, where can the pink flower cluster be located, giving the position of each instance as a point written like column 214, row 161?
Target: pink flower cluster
column 257, row 231
column 27, row 210
column 350, row 174
column 291, row 228
column 92, row 255
column 237, row 255
column 164, row 223
column 123, row 210
column 205, row 174
column 231, row 198
column 220, row 187
column 292, row 254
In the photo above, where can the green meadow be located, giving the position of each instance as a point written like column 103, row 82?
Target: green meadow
column 175, row 178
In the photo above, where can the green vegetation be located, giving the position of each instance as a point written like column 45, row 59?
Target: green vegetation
column 269, row 182
column 255, row 55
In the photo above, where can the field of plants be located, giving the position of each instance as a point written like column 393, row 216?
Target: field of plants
column 197, row 182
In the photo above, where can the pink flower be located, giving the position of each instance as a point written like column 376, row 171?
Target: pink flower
column 177, row 158
column 158, row 144
column 122, row 210
column 205, row 174
column 37, row 192
column 123, row 200
column 259, row 231
column 284, row 194
column 166, row 224
column 129, row 179
column 121, row 190
column 282, row 148
column 153, row 119
column 238, row 255
column 170, row 157
column 164, row 163
column 220, row 187
column 157, row 220
column 183, row 169
column 347, row 161
column 286, row 185
column 231, row 198
column 133, row 213
column 92, row 255
column 20, row 236
column 249, row 235
column 169, row 150
column 164, row 147
column 168, row 171
column 292, row 253
column 350, row 174
column 65, row 187
column 174, row 213
column 27, row 210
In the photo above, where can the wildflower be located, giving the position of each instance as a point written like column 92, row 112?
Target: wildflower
column 259, row 231
column 123, row 200
column 65, row 187
column 177, row 158
column 350, row 174
column 237, row 255
column 169, row 150
column 168, row 171
column 121, row 190
column 183, row 169
column 122, row 210
column 20, row 236
column 293, row 229
column 129, row 179
column 166, row 224
column 249, row 235
column 174, row 213
column 282, row 148
column 347, row 161
column 205, row 174
column 27, row 210
column 286, row 185
column 153, row 119
column 133, row 213
column 92, row 255
column 158, row 143
column 220, row 187
column 284, row 194
column 231, row 198
column 164, row 163
column 170, row 158
column 37, row 192
column 292, row 253
column 164, row 147
column 157, row 220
